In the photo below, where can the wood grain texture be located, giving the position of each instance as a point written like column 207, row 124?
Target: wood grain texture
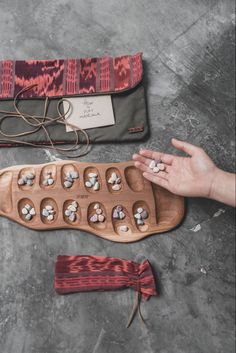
column 165, row 210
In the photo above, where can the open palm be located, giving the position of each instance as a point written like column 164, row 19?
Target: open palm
column 186, row 176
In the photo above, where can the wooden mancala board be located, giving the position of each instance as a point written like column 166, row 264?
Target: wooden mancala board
column 143, row 208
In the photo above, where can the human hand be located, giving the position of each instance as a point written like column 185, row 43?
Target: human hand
column 192, row 175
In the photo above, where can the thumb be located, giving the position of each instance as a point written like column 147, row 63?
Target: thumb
column 184, row 146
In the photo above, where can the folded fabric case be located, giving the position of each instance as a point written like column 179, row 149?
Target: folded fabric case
column 121, row 77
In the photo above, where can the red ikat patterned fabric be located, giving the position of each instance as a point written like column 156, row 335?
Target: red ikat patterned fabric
column 99, row 273
column 60, row 78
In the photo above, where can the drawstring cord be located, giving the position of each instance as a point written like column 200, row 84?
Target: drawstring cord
column 136, row 307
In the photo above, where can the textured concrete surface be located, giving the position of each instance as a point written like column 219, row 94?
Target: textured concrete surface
column 188, row 49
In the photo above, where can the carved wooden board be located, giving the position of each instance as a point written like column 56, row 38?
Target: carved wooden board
column 165, row 210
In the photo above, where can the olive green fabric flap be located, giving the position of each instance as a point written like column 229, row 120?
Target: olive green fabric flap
column 130, row 121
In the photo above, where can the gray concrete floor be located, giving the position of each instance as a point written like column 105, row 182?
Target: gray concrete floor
column 188, row 49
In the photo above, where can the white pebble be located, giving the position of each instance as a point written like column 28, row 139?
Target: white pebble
column 121, row 215
column 115, row 214
column 67, row 184
column 72, row 217
column 137, row 216
column 140, row 222
column 92, row 175
column 50, row 181
column 152, row 164
column 50, row 217
column 92, row 181
column 156, row 170
column 67, row 213
column 75, row 204
column 45, row 182
column 74, row 175
column 28, row 206
column 111, row 181
column 29, row 182
column 96, row 186
column 114, row 176
column 30, row 176
column 49, row 207
column 124, row 228
column 32, row 212
column 21, row 181
column 96, row 206
column 161, row 166
column 101, row 218
column 116, row 187
column 24, row 211
column 88, row 184
column 72, row 208
column 94, row 218
column 98, row 211
column 28, row 217
column 144, row 214
column 140, row 210
column 45, row 212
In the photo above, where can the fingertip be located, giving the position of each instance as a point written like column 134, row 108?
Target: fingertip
column 142, row 151
column 174, row 141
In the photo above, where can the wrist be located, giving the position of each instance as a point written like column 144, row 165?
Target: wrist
column 214, row 186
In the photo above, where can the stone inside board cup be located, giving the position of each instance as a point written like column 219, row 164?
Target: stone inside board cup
column 118, row 212
column 71, row 211
column 140, row 215
column 26, row 179
column 70, row 178
column 48, row 179
column 124, row 228
column 28, row 212
column 92, row 181
column 48, row 212
column 115, row 182
column 98, row 215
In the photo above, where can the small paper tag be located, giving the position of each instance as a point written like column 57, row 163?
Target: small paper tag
column 90, row 112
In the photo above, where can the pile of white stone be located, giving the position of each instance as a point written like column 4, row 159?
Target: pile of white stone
column 48, row 212
column 118, row 212
column 70, row 177
column 140, row 215
column 48, row 179
column 28, row 212
column 92, row 181
column 71, row 210
column 115, row 181
column 156, row 166
column 27, row 179
column 98, row 215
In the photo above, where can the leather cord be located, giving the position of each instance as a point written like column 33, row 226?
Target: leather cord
column 41, row 122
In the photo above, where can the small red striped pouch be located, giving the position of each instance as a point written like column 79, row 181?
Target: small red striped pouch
column 98, row 273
